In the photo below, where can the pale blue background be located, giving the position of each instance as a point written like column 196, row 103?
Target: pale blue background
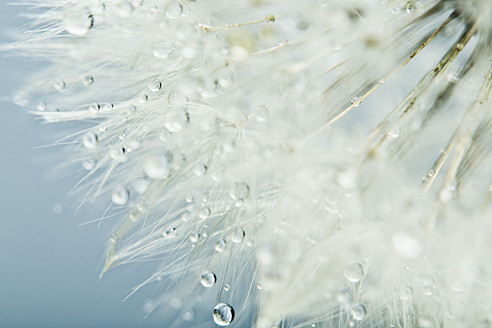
column 49, row 266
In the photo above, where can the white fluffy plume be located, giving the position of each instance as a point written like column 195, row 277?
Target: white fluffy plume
column 291, row 163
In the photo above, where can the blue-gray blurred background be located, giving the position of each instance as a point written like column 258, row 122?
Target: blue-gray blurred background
column 49, row 266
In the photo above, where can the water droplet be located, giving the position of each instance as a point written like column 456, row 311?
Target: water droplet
column 90, row 140
column 220, row 245
column 88, row 80
column 223, row 314
column 176, row 119
column 200, row 169
column 431, row 173
column 136, row 3
column 189, row 199
column 108, row 107
column 143, row 99
column 410, row 8
column 77, row 22
column 237, row 235
column 122, row 135
column 259, row 286
column 117, row 153
column 354, row 272
column 204, row 213
column 89, row 164
column 355, row 101
column 194, row 237
column 156, row 166
column 358, row 312
column 94, row 108
column 227, row 287
column 174, row 10
column 155, row 85
column 120, row 196
column 208, row 279
column 239, row 191
column 395, row 10
column 261, row 113
column 60, row 85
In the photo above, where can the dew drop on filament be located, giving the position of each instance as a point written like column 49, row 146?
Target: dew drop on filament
column 220, row 245
column 77, row 22
column 358, row 312
column 88, row 80
column 120, row 196
column 208, row 279
column 223, row 314
column 174, row 10
column 354, row 272
column 90, row 140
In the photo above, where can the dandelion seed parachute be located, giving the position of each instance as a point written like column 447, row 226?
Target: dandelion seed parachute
column 265, row 152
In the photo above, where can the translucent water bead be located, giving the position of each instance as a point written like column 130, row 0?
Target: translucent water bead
column 358, row 312
column 208, row 279
column 223, row 314
column 77, row 22
column 120, row 196
column 354, row 272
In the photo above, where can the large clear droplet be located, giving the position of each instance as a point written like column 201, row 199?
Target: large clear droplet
column 60, row 85
column 174, row 10
column 223, row 314
column 120, row 196
column 88, row 80
column 358, row 312
column 354, row 272
column 155, row 85
column 220, row 245
column 204, row 213
column 200, row 169
column 176, row 119
column 77, row 22
column 237, row 235
column 90, row 140
column 239, row 191
column 208, row 279
column 194, row 237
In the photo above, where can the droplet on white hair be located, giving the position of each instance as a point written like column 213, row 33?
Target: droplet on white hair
column 208, row 279
column 77, row 22
column 120, row 196
column 90, row 140
column 354, row 272
column 223, row 314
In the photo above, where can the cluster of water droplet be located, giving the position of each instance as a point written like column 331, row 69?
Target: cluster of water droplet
column 210, row 130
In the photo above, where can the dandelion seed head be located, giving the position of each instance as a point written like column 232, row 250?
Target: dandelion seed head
column 266, row 142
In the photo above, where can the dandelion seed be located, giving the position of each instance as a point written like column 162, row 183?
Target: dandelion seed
column 344, row 144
